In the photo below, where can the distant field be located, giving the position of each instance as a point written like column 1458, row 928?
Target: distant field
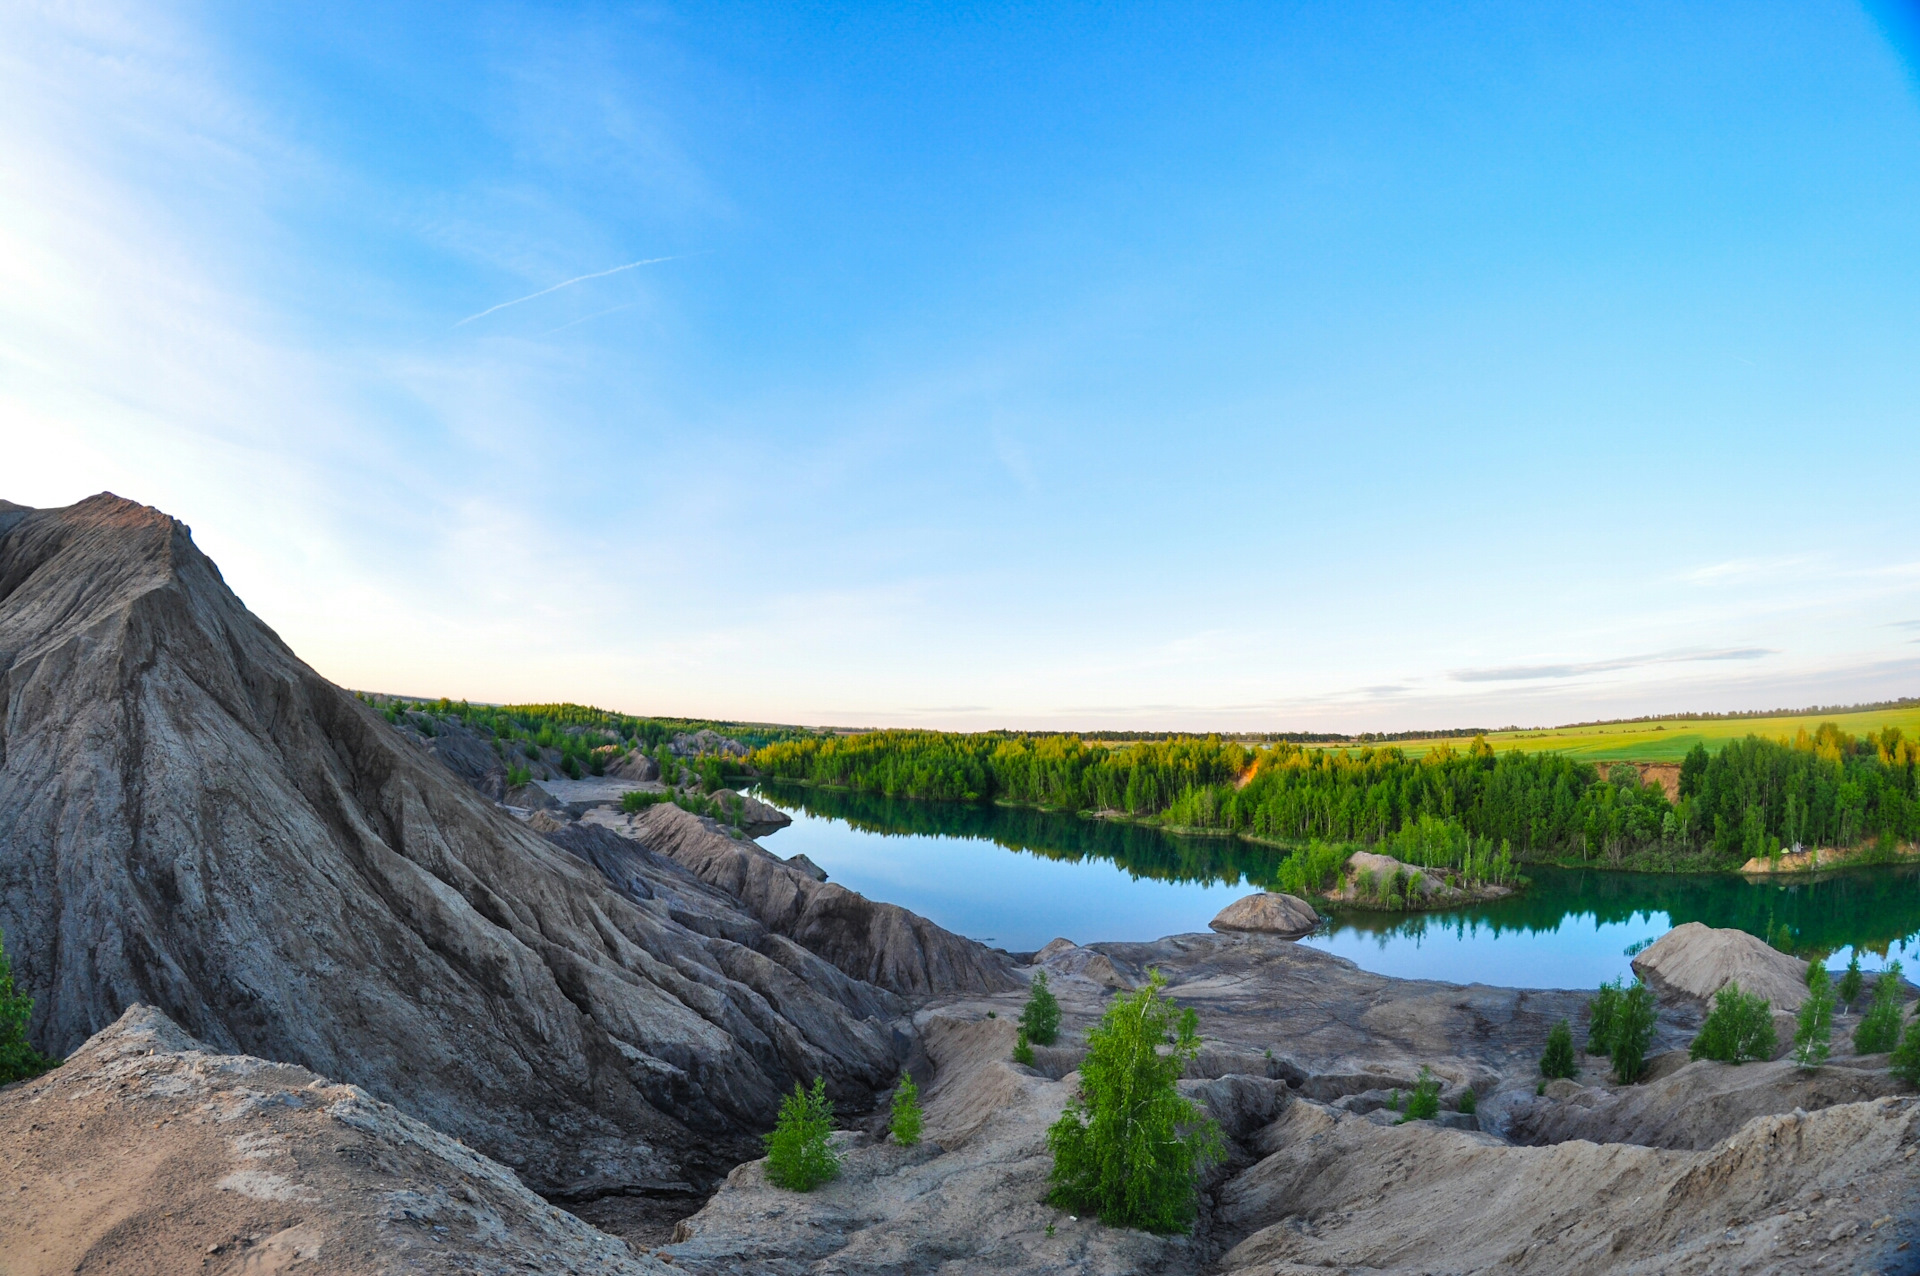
column 1667, row 740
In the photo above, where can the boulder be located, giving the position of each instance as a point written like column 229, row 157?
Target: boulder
column 1064, row 957
column 1268, row 912
column 636, row 766
column 148, row 1151
column 755, row 817
column 1385, row 867
column 1695, row 960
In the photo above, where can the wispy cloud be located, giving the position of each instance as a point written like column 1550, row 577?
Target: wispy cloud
column 1527, row 673
column 568, row 283
column 1735, row 569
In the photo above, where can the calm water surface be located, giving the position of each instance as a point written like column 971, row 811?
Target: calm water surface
column 1016, row 878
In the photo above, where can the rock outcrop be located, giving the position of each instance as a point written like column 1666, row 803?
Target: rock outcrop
column 1786, row 1193
column 192, row 818
column 148, row 1152
column 1695, row 960
column 883, row 944
column 1695, row 1105
column 1269, row 913
column 1319, row 1176
column 467, row 753
column 755, row 817
column 1367, row 877
column 636, row 766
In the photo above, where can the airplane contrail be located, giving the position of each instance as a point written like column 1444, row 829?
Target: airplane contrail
column 565, row 283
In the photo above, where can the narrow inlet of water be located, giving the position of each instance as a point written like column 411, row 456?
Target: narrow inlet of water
column 1015, row 878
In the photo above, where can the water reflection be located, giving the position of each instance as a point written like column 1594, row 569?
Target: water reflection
column 1573, row 928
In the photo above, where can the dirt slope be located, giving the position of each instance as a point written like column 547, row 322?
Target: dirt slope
column 192, row 818
column 147, row 1153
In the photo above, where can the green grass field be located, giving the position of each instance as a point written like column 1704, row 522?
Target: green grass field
column 1667, row 740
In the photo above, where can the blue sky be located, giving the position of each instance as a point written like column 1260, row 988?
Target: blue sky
column 1256, row 367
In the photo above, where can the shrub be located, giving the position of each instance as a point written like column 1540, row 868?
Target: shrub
column 1738, row 1028
column 1129, row 1148
column 1812, row 1034
column 1309, row 871
column 906, row 1111
column 18, row 1058
column 1880, row 1027
column 1022, row 1048
column 1424, row 1103
column 1041, row 1018
column 1601, row 1013
column 799, row 1157
column 1558, row 1061
column 1468, row 1104
column 1905, row 1062
column 1850, row 982
column 638, row 800
column 1632, row 1033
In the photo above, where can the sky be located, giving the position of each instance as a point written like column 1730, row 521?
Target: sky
column 1250, row 367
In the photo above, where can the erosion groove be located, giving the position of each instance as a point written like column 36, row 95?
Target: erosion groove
column 193, row 819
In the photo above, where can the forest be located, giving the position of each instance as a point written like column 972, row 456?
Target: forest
column 585, row 738
column 1752, row 797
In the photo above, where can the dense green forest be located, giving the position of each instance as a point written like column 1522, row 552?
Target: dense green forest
column 1752, row 797
column 585, row 738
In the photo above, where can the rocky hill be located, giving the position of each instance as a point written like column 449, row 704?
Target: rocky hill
column 194, row 819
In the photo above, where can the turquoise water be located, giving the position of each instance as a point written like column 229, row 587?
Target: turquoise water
column 1016, row 878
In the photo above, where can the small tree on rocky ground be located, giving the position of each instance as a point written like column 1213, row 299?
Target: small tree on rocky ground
column 1424, row 1103
column 1041, row 1018
column 1558, row 1060
column 1022, row 1048
column 1850, row 983
column 1738, row 1028
column 798, row 1155
column 1129, row 1148
column 1813, row 1031
column 906, row 1111
column 1905, row 1062
column 1601, row 1013
column 1632, row 1033
column 1880, row 1027
column 1468, row 1103
column 18, row 1058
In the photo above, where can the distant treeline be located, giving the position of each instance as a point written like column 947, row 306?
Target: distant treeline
column 1751, row 798
column 581, row 735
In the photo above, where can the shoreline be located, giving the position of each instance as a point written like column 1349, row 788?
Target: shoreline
column 1792, row 864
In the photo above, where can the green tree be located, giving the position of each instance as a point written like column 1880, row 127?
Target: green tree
column 1879, row 1028
column 799, row 1157
column 1558, row 1061
column 1905, row 1062
column 1129, row 1148
column 1424, row 1103
column 1738, row 1028
column 1468, row 1103
column 1813, row 1032
column 1633, row 1033
column 1602, row 1011
column 1850, row 982
column 1041, row 1018
column 906, row 1111
column 1022, row 1048
column 18, row 1058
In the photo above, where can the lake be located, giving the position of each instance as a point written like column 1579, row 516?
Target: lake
column 1015, row 878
